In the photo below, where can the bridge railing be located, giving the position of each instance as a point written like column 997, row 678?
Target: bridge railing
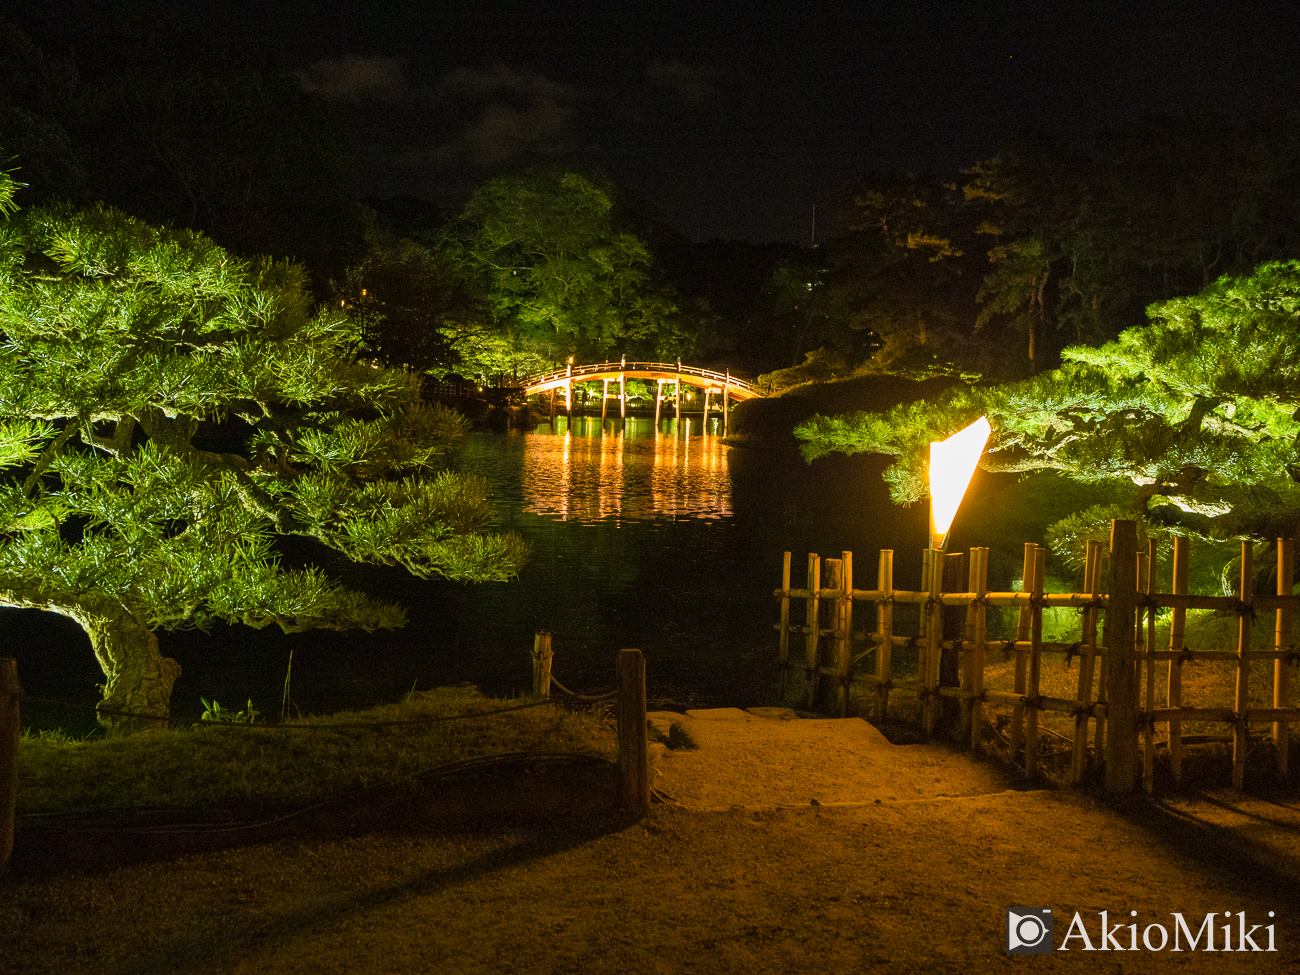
column 722, row 379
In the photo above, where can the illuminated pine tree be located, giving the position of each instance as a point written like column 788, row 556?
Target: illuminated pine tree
column 167, row 411
column 1196, row 412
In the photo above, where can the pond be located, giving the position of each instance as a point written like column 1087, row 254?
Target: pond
column 658, row 538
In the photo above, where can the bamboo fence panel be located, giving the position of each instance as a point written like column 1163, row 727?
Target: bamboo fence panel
column 1282, row 644
column 1122, row 666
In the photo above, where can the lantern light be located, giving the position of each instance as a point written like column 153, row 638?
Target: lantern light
column 952, row 465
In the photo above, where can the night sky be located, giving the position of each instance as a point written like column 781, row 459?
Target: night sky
column 734, row 120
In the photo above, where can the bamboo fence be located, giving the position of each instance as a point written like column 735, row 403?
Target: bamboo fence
column 1117, row 674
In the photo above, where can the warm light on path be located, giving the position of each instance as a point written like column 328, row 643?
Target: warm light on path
column 952, row 465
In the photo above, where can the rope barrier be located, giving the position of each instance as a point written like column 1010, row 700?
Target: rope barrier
column 606, row 696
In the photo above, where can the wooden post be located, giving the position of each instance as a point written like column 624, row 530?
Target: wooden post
column 708, row 392
column 542, row 664
column 10, row 694
column 568, row 400
column 659, row 401
column 1241, row 726
column 552, row 408
column 677, row 398
column 979, row 581
column 1149, row 692
column 812, row 632
column 633, row 740
column 1121, row 756
column 726, row 403
column 1035, row 663
column 622, row 395
column 1177, row 639
column 1092, row 581
column 785, row 623
column 604, row 398
column 884, row 632
column 843, row 643
column 1024, row 623
column 1282, row 643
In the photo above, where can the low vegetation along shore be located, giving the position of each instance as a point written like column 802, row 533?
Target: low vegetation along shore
column 263, row 768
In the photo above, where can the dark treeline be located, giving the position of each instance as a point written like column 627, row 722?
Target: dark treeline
column 993, row 269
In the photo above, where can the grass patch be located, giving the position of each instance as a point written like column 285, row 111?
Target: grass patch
column 268, row 766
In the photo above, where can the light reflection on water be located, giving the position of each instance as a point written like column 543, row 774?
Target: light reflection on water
column 625, row 470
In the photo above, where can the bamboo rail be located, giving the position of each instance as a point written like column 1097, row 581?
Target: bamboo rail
column 1121, row 665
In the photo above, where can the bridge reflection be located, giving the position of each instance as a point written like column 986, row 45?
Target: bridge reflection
column 584, row 470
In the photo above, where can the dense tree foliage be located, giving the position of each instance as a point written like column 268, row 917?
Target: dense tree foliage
column 137, row 110
column 1196, row 411
column 167, row 411
column 1049, row 243
column 563, row 278
column 416, row 307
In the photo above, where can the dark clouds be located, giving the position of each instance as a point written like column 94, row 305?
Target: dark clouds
column 735, row 119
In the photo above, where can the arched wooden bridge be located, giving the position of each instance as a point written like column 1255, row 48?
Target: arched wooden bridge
column 664, row 374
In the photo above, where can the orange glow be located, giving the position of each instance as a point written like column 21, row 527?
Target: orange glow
column 952, row 465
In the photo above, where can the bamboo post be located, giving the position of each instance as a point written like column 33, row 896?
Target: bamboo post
column 785, row 622
column 633, row 740
column 1282, row 643
column 929, row 663
column 1177, row 639
column 1149, row 694
column 827, row 701
column 1240, row 726
column 844, row 640
column 979, row 580
column 1088, row 635
column 952, row 645
column 1121, row 758
column 10, row 695
column 884, row 632
column 1035, row 662
column 1024, row 623
column 811, row 631
column 542, row 664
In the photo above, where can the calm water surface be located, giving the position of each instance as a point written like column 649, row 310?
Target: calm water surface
column 661, row 539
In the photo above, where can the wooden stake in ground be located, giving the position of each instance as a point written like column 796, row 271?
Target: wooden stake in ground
column 1121, row 695
column 542, row 664
column 10, row 693
column 633, row 740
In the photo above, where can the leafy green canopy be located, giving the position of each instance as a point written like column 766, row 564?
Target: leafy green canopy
column 1198, row 409
column 166, row 411
column 560, row 273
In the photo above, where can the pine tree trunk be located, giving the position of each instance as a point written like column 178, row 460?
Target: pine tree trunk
column 139, row 679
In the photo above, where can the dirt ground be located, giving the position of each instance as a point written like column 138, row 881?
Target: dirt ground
column 906, row 863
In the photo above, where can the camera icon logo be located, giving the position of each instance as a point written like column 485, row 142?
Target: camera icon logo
column 1029, row 930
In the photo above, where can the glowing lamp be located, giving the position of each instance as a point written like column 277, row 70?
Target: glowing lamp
column 952, row 465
